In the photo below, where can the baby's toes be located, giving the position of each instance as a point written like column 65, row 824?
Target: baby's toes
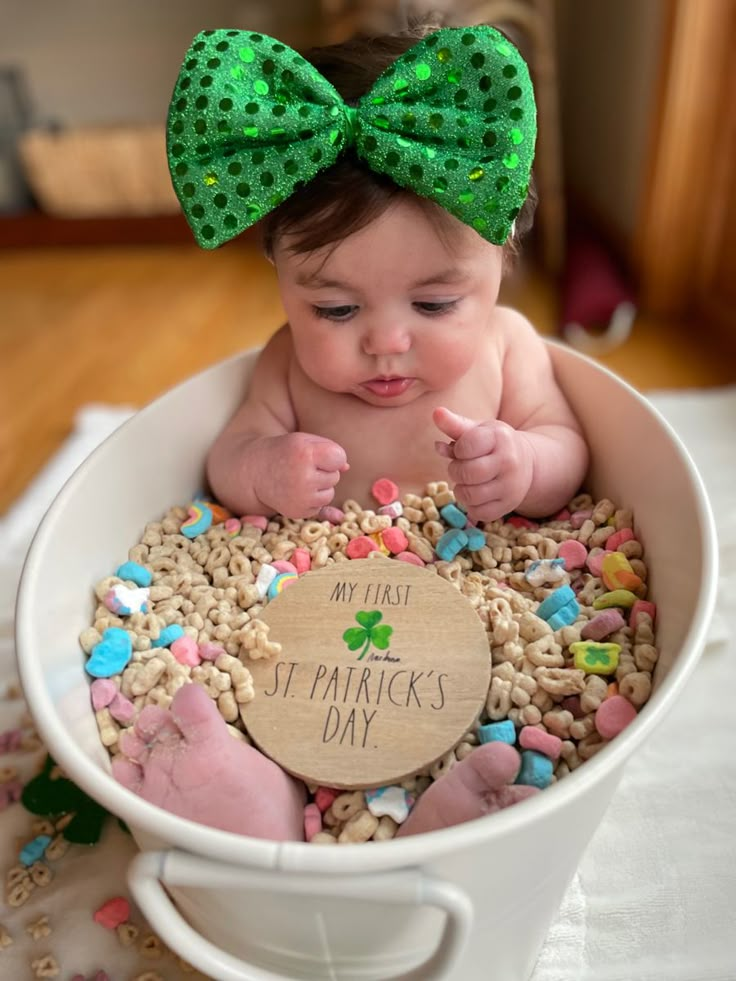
column 132, row 746
column 489, row 767
column 156, row 725
column 196, row 715
column 127, row 773
column 497, row 800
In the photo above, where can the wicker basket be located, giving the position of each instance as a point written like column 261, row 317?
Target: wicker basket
column 99, row 171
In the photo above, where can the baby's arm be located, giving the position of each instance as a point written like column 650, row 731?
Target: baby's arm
column 533, row 458
column 259, row 464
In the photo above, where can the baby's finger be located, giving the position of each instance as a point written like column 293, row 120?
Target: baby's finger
column 328, row 455
column 129, row 774
column 444, row 449
column 476, row 495
column 490, row 511
column 450, row 423
column 479, row 470
column 320, row 499
column 325, row 479
column 475, row 442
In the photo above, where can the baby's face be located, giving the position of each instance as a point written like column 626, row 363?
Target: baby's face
column 393, row 311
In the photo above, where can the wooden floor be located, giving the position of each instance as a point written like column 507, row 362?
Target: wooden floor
column 119, row 326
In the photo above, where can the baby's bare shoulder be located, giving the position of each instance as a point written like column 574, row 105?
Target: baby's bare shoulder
column 515, row 332
column 268, row 401
column 530, row 393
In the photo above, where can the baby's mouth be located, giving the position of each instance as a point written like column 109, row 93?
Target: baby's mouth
column 388, row 388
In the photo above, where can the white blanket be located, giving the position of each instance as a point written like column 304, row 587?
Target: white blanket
column 655, row 895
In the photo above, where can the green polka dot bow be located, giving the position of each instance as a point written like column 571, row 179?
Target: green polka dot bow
column 251, row 121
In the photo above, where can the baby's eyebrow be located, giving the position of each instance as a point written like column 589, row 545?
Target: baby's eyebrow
column 452, row 275
column 316, row 281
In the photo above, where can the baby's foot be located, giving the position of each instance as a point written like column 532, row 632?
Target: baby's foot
column 480, row 784
column 185, row 761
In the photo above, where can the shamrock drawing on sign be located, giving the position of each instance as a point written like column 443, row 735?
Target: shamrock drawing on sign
column 369, row 632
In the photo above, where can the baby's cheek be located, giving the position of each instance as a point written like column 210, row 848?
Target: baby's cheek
column 449, row 361
column 324, row 362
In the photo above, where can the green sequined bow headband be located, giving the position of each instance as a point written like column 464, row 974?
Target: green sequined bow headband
column 251, row 121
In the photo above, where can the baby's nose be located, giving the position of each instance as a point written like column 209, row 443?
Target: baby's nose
column 385, row 339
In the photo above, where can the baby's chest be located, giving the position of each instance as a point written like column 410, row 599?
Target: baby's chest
column 379, row 442
column 398, row 443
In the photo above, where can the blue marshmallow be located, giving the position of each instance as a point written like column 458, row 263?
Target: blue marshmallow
column 452, row 542
column 498, row 732
column 536, row 769
column 168, row 635
column 454, row 517
column 136, row 573
column 111, row 654
column 556, row 599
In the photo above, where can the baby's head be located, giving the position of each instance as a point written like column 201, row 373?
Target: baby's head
column 347, row 196
column 328, row 152
column 388, row 295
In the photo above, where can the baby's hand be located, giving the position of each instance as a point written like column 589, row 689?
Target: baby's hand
column 491, row 464
column 296, row 474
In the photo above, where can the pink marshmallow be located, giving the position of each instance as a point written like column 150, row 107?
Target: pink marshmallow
column 543, row 742
column 360, row 547
column 121, row 709
column 595, row 561
column 112, row 913
column 209, row 651
column 393, row 510
column 573, row 552
column 312, row 821
column 332, row 514
column 385, row 491
column 257, row 520
column 410, row 557
column 639, row 607
column 186, row 651
column 301, row 560
column 578, row 518
column 618, row 538
column 613, row 715
column 283, row 566
column 603, row 624
column 103, row 690
column 518, row 522
column 395, row 540
column 324, row 796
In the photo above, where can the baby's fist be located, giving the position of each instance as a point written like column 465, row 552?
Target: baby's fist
column 491, row 464
column 298, row 473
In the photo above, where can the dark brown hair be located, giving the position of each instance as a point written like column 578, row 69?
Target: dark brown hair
column 347, row 196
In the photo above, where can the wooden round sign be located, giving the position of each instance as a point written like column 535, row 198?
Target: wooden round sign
column 384, row 667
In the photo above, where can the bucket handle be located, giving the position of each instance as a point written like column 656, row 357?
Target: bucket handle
column 411, row 887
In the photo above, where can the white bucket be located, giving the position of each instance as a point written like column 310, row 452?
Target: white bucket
column 471, row 902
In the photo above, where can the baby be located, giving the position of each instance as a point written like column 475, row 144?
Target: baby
column 390, row 218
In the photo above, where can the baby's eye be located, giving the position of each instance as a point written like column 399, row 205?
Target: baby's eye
column 335, row 313
column 435, row 308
